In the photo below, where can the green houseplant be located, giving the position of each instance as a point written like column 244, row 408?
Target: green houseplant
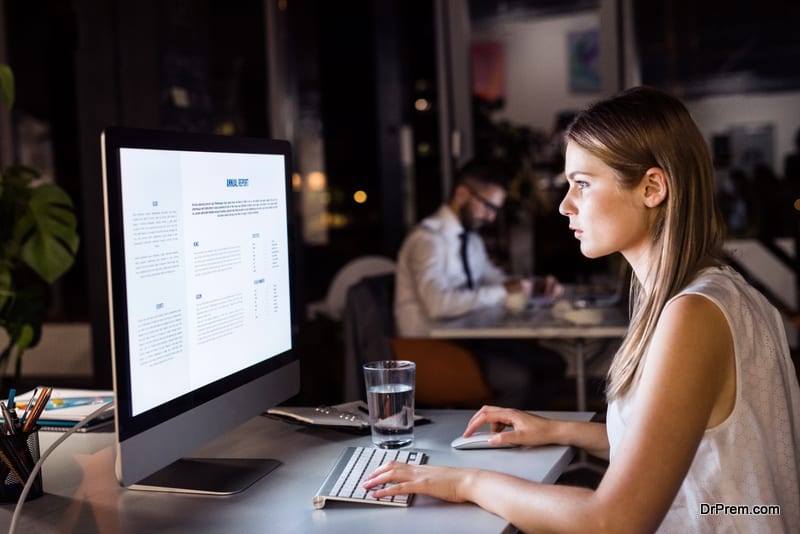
column 38, row 244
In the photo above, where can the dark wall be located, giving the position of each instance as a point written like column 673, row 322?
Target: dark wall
column 200, row 65
column 717, row 47
column 81, row 66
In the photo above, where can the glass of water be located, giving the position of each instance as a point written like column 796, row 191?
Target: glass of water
column 390, row 397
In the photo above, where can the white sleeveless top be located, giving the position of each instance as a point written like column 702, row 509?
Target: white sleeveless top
column 752, row 459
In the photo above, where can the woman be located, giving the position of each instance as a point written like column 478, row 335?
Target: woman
column 704, row 405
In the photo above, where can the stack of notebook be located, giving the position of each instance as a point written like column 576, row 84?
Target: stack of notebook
column 67, row 407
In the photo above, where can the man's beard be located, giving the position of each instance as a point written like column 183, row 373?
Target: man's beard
column 468, row 220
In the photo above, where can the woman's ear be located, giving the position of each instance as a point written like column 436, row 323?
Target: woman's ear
column 654, row 187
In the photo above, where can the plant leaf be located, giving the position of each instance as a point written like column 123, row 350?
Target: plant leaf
column 26, row 335
column 21, row 175
column 7, row 85
column 22, row 319
column 50, row 239
column 6, row 291
column 16, row 194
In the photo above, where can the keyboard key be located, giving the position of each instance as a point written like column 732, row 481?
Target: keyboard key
column 345, row 480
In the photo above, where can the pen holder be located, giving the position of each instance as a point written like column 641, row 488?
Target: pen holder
column 19, row 453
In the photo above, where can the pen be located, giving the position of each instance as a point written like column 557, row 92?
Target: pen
column 9, row 422
column 11, row 394
column 28, row 406
column 6, row 420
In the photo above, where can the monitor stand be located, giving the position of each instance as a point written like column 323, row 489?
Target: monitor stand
column 208, row 476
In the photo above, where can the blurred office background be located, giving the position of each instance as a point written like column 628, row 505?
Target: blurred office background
column 382, row 100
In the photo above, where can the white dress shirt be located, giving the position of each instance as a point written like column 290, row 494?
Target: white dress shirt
column 431, row 283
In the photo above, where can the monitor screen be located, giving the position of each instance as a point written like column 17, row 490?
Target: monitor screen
column 198, row 244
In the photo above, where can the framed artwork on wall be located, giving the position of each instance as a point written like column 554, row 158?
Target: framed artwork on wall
column 488, row 70
column 584, row 61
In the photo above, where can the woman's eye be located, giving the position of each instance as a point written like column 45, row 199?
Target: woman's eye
column 581, row 184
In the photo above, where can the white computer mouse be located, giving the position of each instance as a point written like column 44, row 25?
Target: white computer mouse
column 478, row 440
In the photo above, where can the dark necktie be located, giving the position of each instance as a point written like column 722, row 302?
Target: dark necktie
column 465, row 260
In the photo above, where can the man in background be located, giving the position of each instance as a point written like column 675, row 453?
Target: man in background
column 444, row 271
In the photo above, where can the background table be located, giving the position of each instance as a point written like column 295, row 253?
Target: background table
column 82, row 494
column 538, row 323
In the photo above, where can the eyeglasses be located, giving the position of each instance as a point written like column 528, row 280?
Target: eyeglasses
column 491, row 206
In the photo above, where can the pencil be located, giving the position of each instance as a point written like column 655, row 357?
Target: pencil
column 11, row 467
column 37, row 410
column 13, row 460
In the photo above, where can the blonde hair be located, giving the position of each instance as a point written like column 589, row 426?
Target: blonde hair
column 639, row 129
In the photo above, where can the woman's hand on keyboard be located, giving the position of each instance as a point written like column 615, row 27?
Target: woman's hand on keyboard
column 441, row 482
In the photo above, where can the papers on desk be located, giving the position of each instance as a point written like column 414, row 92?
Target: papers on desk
column 350, row 416
column 540, row 301
column 66, row 407
column 563, row 309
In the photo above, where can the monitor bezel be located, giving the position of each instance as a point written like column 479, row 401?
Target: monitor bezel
column 113, row 140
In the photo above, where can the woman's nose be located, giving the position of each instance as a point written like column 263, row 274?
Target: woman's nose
column 566, row 207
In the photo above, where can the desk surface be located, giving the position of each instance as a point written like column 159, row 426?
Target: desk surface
column 497, row 322
column 82, row 494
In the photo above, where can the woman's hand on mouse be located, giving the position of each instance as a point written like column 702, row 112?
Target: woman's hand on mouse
column 526, row 428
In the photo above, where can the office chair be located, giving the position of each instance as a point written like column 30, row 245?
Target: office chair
column 447, row 374
column 350, row 273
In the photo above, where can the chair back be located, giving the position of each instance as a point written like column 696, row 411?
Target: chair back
column 448, row 375
column 368, row 328
column 350, row 274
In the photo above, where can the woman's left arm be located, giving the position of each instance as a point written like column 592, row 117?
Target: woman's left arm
column 686, row 385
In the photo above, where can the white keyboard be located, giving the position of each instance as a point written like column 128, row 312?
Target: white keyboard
column 345, row 480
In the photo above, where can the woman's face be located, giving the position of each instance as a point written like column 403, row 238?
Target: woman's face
column 604, row 217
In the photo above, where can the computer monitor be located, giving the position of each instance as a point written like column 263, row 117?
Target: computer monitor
column 198, row 249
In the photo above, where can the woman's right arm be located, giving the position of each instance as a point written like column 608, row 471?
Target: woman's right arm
column 529, row 429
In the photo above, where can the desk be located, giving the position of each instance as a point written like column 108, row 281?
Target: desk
column 82, row 494
column 537, row 323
